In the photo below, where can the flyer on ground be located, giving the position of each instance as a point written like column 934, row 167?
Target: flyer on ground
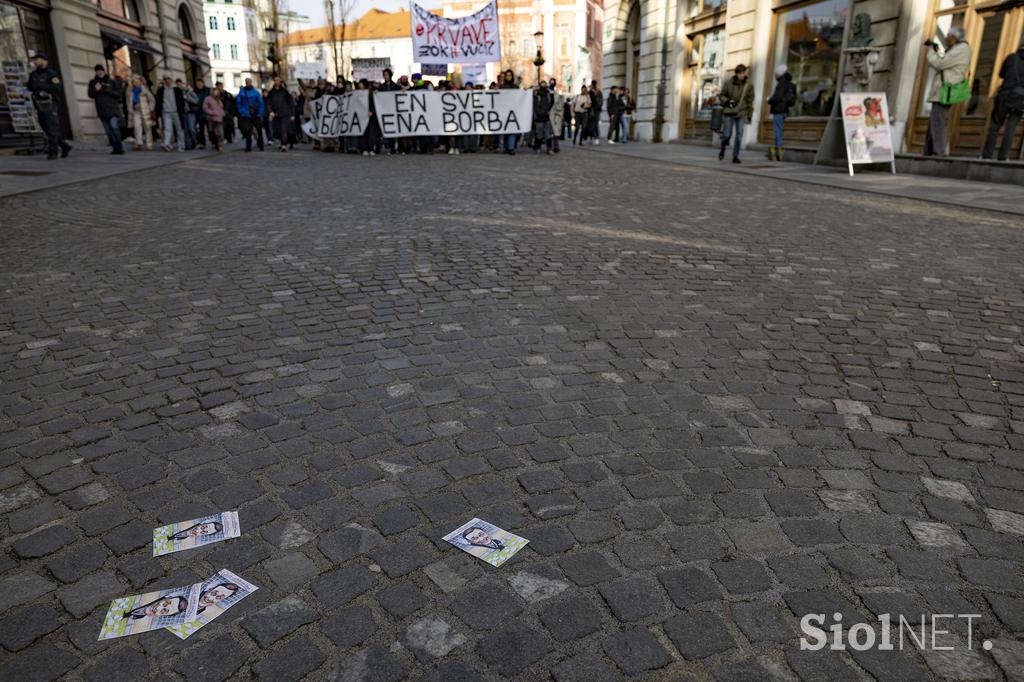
column 217, row 594
column 195, row 533
column 486, row 541
column 150, row 611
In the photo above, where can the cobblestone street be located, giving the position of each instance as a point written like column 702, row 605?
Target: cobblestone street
column 712, row 402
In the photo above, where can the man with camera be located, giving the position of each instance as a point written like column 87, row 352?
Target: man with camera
column 949, row 89
column 737, row 98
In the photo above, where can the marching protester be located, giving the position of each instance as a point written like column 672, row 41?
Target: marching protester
column 191, row 113
column 1009, row 105
column 281, row 108
column 581, row 113
column 108, row 93
column 952, row 65
column 737, row 96
column 557, row 115
column 45, row 86
column 509, row 83
column 142, row 111
column 389, row 85
column 228, row 102
column 202, row 92
column 170, row 109
column 214, row 114
column 251, row 112
column 779, row 104
column 543, row 101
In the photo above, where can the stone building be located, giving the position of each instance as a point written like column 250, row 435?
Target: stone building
column 674, row 54
column 150, row 37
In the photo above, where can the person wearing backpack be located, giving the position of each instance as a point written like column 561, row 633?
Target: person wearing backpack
column 737, row 98
column 948, row 89
column 1009, row 106
column 782, row 99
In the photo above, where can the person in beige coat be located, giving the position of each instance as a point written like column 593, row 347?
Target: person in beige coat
column 952, row 65
column 140, row 108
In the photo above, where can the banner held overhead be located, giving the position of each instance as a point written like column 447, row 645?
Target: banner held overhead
column 466, row 40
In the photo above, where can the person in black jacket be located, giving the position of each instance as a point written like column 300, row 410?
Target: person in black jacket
column 543, row 100
column 389, row 85
column 1008, row 107
column 228, row 101
column 783, row 97
column 281, row 111
column 508, row 82
column 596, row 106
column 45, row 86
column 108, row 93
column 615, row 109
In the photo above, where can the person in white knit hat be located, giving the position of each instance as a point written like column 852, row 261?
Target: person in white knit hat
column 782, row 99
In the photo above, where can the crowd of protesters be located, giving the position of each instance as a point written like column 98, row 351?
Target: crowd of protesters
column 182, row 116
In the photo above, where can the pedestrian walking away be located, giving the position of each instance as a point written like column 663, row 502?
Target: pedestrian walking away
column 781, row 101
column 1008, row 107
column 951, row 66
column 44, row 84
column 108, row 94
column 170, row 109
column 737, row 98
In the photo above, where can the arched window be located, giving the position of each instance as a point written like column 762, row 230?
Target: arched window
column 184, row 23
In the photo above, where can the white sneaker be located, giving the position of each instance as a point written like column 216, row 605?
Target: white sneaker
column 451, row 152
column 611, row 141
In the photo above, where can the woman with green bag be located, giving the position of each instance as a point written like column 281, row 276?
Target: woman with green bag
column 950, row 88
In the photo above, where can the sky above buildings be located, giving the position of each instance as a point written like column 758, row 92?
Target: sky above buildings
column 314, row 9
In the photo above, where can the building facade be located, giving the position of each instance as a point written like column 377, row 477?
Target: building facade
column 375, row 35
column 675, row 54
column 149, row 37
column 570, row 45
column 241, row 35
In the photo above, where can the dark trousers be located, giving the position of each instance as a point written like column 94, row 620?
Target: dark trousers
column 283, row 130
column 201, row 131
column 614, row 124
column 49, row 121
column 248, row 127
column 938, row 123
column 1001, row 114
column 229, row 128
column 582, row 124
column 112, row 128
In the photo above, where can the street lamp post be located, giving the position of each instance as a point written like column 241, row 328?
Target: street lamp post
column 538, row 61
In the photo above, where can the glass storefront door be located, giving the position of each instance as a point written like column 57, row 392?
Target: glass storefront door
column 23, row 32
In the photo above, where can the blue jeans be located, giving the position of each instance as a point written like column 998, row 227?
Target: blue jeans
column 732, row 127
column 778, row 122
column 113, row 130
column 190, row 131
column 624, row 128
column 511, row 141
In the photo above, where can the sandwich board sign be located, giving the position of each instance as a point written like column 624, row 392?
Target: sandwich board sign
column 866, row 129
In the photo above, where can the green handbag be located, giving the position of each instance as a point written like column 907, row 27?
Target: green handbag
column 955, row 93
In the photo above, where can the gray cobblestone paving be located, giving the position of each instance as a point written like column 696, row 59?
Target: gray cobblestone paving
column 713, row 403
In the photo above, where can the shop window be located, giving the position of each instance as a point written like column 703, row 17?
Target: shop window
column 706, row 72
column 216, row 51
column 809, row 41
column 231, row 23
column 234, row 51
column 213, row 23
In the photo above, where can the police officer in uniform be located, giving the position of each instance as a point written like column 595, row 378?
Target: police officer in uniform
column 44, row 84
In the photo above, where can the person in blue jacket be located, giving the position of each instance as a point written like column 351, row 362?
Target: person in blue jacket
column 251, row 113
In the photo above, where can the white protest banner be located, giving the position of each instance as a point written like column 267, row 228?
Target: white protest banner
column 338, row 115
column 459, row 112
column 467, row 40
column 370, row 68
column 309, row 71
column 866, row 127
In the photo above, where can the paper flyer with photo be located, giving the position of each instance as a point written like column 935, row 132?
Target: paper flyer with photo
column 150, row 611
column 216, row 595
column 486, row 541
column 195, row 533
